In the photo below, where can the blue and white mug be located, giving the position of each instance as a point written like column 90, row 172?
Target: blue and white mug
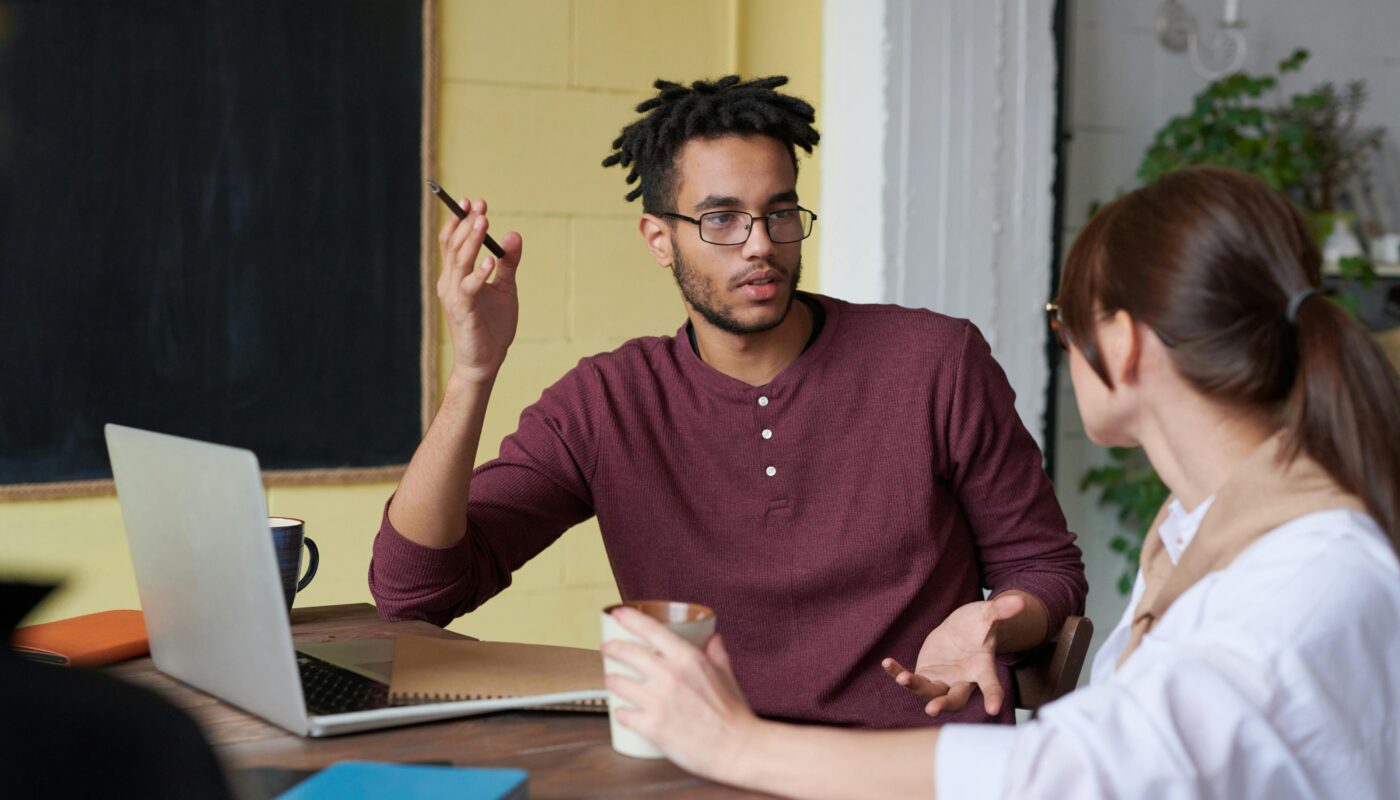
column 288, row 535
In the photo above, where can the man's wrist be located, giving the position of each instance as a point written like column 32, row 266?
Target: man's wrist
column 1028, row 629
column 466, row 381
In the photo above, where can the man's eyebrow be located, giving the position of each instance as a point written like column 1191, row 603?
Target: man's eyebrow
column 716, row 201
column 721, row 201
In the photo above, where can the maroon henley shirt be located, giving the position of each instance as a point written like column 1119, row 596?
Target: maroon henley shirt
column 830, row 518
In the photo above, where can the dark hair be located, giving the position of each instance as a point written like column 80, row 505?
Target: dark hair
column 1209, row 258
column 726, row 107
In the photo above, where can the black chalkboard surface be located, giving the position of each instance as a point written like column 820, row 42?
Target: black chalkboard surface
column 209, row 226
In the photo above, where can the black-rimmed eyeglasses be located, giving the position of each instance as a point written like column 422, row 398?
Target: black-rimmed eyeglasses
column 1061, row 333
column 728, row 228
column 1057, row 328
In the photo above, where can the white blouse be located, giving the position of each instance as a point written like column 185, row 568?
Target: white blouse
column 1277, row 677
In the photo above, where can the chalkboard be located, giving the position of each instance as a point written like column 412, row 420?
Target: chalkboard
column 210, row 226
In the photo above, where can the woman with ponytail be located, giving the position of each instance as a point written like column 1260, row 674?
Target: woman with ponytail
column 1260, row 654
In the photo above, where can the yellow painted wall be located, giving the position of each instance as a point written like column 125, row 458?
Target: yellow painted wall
column 532, row 93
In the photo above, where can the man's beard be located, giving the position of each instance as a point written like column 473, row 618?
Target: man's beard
column 701, row 297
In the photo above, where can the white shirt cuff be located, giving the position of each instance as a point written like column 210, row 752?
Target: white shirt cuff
column 971, row 761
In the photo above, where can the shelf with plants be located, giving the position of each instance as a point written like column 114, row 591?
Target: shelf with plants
column 1381, row 269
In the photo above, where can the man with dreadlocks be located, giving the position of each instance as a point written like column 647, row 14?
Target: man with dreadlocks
column 838, row 481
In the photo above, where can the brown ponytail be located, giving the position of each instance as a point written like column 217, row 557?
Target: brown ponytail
column 1209, row 259
column 1344, row 409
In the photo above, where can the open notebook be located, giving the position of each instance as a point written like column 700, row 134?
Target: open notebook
column 430, row 670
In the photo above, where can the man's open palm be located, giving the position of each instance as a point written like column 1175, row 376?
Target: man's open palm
column 958, row 657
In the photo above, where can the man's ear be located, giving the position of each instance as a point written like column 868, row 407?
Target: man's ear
column 656, row 232
column 1120, row 342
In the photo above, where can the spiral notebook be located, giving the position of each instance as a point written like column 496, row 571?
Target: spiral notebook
column 428, row 670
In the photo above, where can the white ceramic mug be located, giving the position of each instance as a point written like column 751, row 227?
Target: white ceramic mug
column 694, row 623
column 1386, row 248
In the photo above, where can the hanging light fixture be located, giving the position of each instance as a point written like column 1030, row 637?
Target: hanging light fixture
column 1178, row 32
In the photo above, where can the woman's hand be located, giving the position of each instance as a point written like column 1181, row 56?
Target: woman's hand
column 689, row 705
column 687, row 702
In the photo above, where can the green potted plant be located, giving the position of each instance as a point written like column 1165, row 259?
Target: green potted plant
column 1309, row 146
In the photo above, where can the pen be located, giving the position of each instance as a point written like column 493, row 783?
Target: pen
column 456, row 209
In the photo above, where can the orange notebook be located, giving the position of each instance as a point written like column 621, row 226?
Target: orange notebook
column 87, row 641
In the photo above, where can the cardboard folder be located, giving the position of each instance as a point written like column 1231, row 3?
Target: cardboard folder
column 428, row 670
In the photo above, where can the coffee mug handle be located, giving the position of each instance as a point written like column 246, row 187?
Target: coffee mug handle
column 311, row 567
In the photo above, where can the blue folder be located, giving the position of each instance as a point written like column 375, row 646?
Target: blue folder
column 363, row 780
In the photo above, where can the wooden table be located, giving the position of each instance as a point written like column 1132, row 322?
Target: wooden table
column 566, row 754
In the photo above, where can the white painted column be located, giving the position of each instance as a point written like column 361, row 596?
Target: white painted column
column 855, row 255
column 938, row 164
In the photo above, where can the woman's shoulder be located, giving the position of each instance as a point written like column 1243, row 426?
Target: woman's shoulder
column 1306, row 579
column 1318, row 596
column 1326, row 545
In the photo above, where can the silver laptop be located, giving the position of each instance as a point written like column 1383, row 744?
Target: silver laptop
column 196, row 523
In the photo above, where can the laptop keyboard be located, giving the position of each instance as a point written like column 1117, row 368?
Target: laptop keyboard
column 334, row 690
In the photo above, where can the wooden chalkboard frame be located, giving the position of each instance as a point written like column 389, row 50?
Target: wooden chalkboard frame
column 428, row 351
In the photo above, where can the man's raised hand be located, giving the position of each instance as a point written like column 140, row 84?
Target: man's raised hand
column 481, row 313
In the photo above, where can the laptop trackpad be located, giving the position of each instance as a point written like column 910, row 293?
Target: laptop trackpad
column 372, row 658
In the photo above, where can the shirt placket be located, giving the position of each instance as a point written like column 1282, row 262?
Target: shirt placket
column 766, row 415
column 773, row 475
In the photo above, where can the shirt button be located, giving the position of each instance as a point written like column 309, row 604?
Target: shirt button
column 767, row 434
column 763, row 401
column 771, row 471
